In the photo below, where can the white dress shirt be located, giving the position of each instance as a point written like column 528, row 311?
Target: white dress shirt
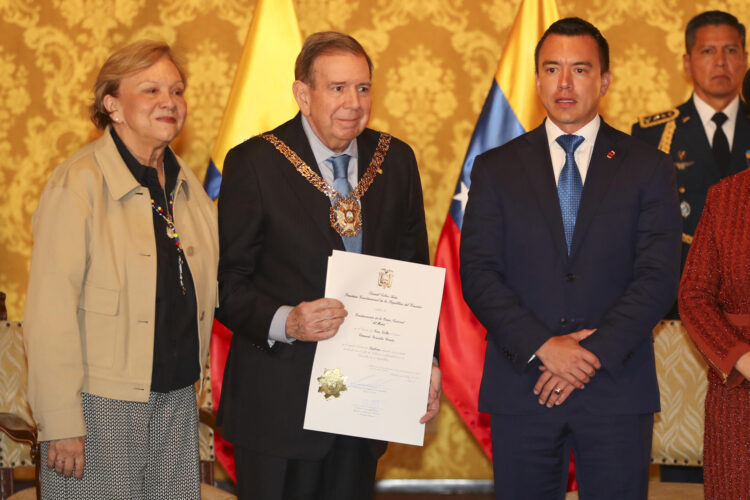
column 706, row 112
column 583, row 152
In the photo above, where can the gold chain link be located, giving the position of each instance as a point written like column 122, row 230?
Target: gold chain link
column 384, row 142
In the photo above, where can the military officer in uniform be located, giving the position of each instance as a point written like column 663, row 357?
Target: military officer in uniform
column 708, row 135
column 707, row 138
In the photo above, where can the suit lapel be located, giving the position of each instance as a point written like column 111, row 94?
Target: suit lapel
column 312, row 202
column 373, row 197
column 605, row 161
column 538, row 168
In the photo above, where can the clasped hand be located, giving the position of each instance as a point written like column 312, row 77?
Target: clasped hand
column 566, row 366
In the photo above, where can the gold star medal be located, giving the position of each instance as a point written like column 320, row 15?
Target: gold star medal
column 332, row 383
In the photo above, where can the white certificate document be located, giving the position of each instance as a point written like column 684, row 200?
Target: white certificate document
column 372, row 378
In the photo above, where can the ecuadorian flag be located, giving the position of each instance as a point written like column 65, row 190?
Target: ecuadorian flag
column 511, row 109
column 261, row 98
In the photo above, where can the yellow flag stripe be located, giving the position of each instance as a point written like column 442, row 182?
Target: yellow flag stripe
column 261, row 96
column 516, row 75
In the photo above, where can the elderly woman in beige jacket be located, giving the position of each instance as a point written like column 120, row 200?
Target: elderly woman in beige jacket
column 121, row 295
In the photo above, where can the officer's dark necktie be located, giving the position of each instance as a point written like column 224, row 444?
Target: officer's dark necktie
column 569, row 185
column 341, row 184
column 720, row 144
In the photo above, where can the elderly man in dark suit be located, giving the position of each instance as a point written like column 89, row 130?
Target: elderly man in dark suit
column 569, row 257
column 279, row 222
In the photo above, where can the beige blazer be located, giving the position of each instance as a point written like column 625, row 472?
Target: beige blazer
column 90, row 307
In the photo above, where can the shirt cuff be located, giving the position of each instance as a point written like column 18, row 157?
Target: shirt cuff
column 277, row 330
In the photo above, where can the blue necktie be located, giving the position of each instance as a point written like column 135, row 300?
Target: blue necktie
column 569, row 186
column 341, row 184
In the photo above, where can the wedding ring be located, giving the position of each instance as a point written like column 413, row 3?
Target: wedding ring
column 557, row 390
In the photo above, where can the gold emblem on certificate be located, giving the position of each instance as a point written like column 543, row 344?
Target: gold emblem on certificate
column 346, row 216
column 332, row 383
column 385, row 279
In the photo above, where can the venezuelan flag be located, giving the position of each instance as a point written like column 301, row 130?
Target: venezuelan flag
column 511, row 109
column 261, row 96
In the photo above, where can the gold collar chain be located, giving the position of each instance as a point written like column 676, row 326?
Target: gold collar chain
column 346, row 212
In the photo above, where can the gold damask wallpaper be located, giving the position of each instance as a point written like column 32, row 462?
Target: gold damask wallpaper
column 434, row 62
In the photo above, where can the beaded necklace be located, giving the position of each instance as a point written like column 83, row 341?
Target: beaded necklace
column 171, row 233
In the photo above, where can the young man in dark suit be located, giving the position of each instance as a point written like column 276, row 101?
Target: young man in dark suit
column 276, row 233
column 569, row 257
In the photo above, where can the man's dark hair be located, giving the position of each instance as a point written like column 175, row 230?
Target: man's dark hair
column 575, row 26
column 711, row 18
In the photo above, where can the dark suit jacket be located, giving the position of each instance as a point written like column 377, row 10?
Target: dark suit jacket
column 275, row 240
column 694, row 161
column 620, row 278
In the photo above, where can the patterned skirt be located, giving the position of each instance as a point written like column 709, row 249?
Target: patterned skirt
column 134, row 451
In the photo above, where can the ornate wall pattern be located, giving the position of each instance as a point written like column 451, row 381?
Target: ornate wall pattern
column 434, row 62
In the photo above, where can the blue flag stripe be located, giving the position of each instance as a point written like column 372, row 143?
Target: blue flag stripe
column 212, row 181
column 497, row 124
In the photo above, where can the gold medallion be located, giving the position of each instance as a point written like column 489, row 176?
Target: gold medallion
column 332, row 383
column 346, row 216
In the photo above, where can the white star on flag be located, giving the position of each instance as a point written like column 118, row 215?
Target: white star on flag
column 462, row 196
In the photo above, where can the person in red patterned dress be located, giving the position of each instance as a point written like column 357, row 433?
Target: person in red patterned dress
column 714, row 303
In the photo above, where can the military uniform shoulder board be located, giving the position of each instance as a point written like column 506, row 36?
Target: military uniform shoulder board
column 667, row 117
column 659, row 118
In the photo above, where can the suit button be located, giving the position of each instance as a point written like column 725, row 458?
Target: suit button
column 563, row 321
column 570, row 277
column 190, row 251
column 682, row 190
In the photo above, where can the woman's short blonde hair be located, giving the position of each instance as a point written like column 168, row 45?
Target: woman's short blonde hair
column 125, row 61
